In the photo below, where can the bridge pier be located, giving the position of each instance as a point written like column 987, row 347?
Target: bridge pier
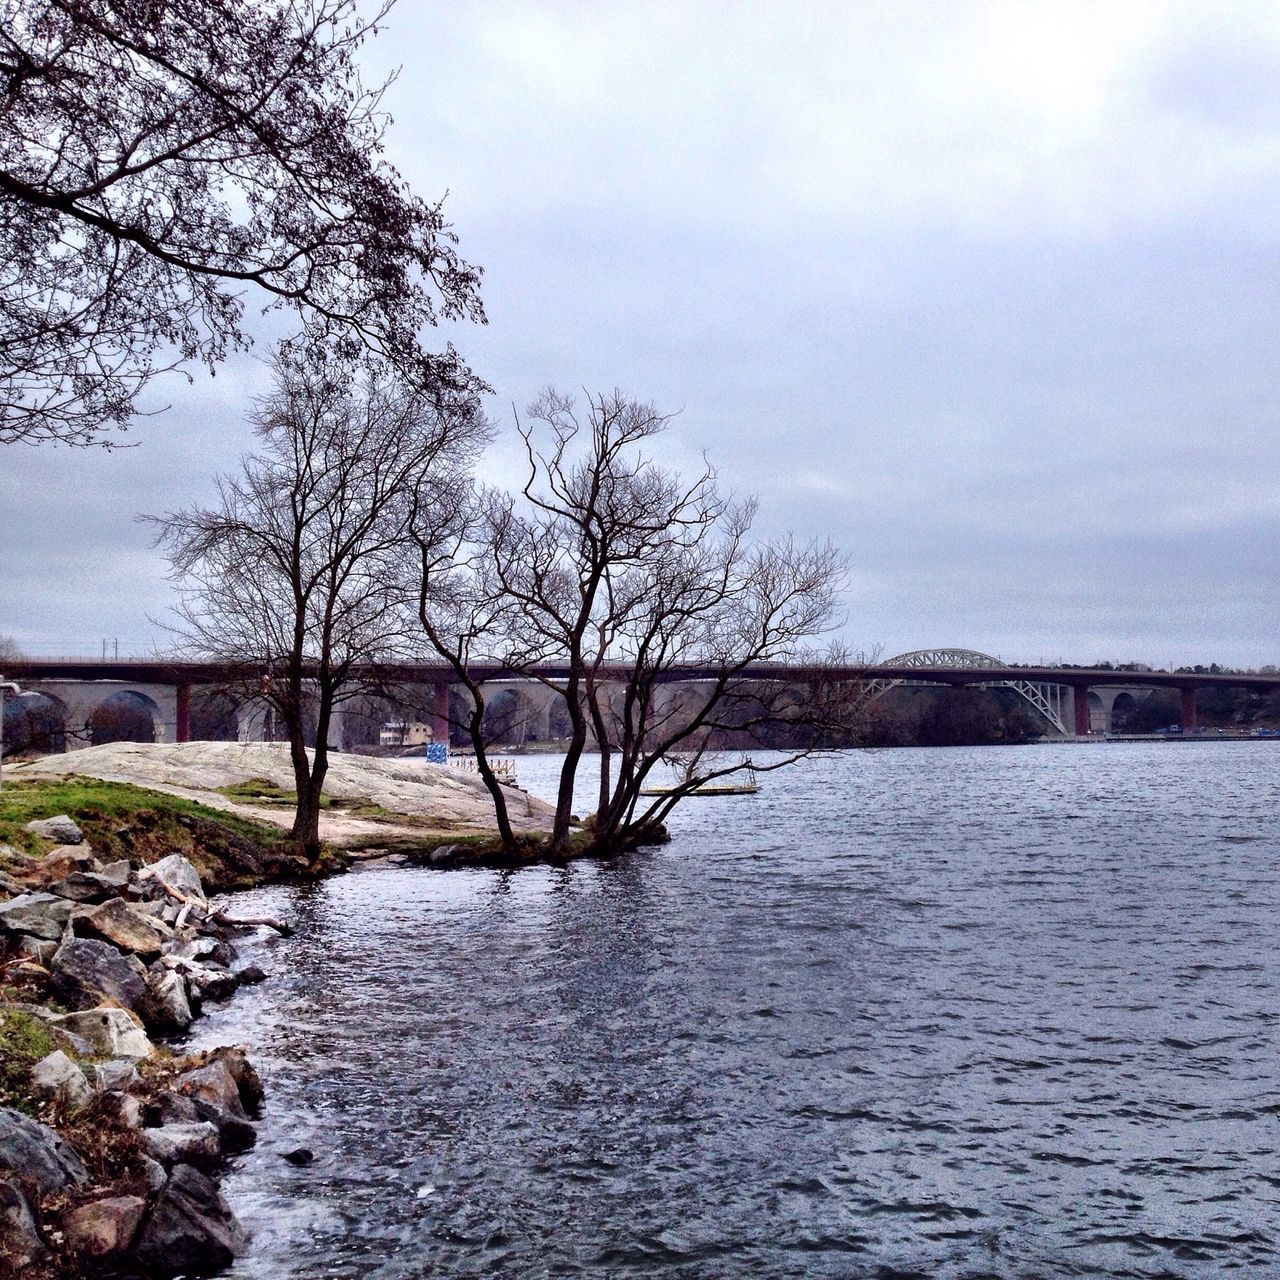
column 1080, row 710
column 440, row 712
column 182, row 696
column 1189, row 710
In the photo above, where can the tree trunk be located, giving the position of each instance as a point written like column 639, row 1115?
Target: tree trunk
column 475, row 729
column 308, row 776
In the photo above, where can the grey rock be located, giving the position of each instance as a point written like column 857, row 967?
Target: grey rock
column 61, row 829
column 165, row 1007
column 169, row 1107
column 34, row 1151
column 203, row 981
column 41, row 950
column 42, row 915
column 215, row 1094
column 104, row 1228
column 213, row 1083
column 235, row 1133
column 190, row 1228
column 85, row 971
column 224, row 954
column 55, row 1076
column 154, row 1172
column 249, row 975
column 116, row 1033
column 116, row 922
column 20, row 1244
column 116, row 1074
column 84, row 886
column 117, row 873
column 184, row 1143
column 177, row 873
column 248, row 1082
column 192, row 949
column 65, row 859
column 212, row 983
column 125, row 1108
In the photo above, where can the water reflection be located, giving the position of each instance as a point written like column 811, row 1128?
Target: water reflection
column 941, row 1013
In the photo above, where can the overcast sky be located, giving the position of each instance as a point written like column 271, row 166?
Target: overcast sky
column 988, row 293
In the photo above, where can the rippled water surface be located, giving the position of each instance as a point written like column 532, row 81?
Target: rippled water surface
column 989, row 1012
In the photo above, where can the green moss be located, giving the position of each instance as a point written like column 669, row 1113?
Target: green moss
column 259, row 791
column 24, row 1040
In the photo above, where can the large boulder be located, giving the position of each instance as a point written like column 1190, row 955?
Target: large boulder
column 32, row 1150
column 65, row 859
column 86, row 972
column 112, row 1032
column 190, row 1229
column 117, row 873
column 205, row 981
column 177, row 874
column 165, row 1008
column 215, row 1084
column 248, row 1082
column 116, row 922
column 60, row 829
column 216, row 1096
column 187, row 1142
column 116, row 1073
column 58, row 1078
column 42, row 915
column 85, row 886
column 20, row 1244
column 102, row 1229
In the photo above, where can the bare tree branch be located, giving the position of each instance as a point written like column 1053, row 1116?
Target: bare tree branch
column 156, row 160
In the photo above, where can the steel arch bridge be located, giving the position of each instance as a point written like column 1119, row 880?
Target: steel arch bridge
column 1047, row 699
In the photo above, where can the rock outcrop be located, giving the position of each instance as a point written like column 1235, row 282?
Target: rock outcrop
column 133, row 952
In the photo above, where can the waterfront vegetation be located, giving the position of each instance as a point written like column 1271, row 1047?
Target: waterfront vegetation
column 125, row 821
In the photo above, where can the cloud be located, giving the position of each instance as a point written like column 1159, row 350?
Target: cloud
column 986, row 292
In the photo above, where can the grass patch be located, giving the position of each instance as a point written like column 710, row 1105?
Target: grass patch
column 24, row 1040
column 260, row 791
column 120, row 820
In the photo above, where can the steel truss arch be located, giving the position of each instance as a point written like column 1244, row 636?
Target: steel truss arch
column 1045, row 698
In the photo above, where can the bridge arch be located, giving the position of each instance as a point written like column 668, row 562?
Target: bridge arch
column 125, row 716
column 35, row 721
column 1046, row 699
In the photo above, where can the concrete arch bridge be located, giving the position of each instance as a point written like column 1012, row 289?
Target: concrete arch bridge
column 1069, row 700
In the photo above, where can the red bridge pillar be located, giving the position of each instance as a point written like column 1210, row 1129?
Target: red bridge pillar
column 1189, row 710
column 183, row 727
column 440, row 712
column 1080, row 698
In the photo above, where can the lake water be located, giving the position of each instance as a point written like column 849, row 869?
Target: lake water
column 951, row 1013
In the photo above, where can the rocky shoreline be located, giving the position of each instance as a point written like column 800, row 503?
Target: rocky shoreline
column 110, row 1143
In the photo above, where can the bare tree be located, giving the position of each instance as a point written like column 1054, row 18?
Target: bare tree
column 463, row 610
column 156, row 159
column 291, row 572
column 628, row 577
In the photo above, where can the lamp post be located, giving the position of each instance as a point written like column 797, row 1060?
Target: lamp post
column 5, row 687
